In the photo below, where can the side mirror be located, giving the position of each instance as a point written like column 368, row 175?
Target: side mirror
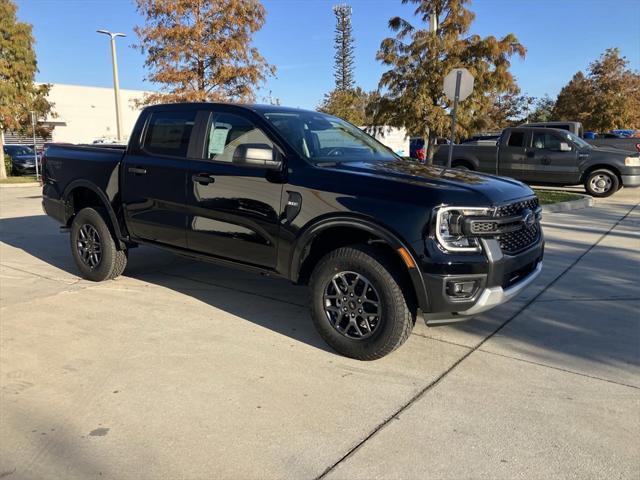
column 565, row 147
column 257, row 155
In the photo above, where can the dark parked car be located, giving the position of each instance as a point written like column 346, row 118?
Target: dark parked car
column 22, row 159
column 549, row 156
column 308, row 197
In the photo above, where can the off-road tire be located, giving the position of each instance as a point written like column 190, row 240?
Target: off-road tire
column 112, row 261
column 397, row 318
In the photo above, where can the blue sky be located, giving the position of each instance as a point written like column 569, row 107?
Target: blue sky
column 561, row 36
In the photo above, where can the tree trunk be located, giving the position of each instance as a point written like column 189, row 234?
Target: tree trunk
column 3, row 171
column 430, row 139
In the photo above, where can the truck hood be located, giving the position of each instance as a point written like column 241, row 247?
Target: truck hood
column 494, row 189
column 23, row 158
column 608, row 151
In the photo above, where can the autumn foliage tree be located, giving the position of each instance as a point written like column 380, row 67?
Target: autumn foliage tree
column 201, row 50
column 351, row 105
column 420, row 57
column 19, row 95
column 608, row 97
column 575, row 101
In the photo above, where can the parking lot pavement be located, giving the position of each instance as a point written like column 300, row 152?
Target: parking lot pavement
column 181, row 369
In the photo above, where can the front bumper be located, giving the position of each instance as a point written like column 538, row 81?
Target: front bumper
column 24, row 168
column 494, row 296
column 630, row 180
column 499, row 277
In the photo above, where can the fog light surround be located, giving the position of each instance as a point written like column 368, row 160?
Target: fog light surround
column 462, row 288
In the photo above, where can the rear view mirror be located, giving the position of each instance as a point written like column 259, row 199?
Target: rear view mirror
column 565, row 147
column 257, row 155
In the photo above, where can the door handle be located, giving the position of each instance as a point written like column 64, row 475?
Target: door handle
column 203, row 178
column 137, row 170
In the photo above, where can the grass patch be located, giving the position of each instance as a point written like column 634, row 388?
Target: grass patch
column 19, row 179
column 554, row 196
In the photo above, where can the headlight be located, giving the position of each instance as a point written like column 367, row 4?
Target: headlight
column 449, row 228
column 632, row 162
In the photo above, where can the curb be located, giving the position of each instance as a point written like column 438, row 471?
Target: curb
column 585, row 202
column 19, row 185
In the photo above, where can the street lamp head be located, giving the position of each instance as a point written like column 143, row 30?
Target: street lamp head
column 111, row 34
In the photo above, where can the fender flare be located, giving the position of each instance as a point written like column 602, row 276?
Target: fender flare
column 103, row 198
column 308, row 235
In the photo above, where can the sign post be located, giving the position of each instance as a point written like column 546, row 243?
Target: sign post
column 458, row 85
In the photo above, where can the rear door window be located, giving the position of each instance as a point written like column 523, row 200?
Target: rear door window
column 168, row 133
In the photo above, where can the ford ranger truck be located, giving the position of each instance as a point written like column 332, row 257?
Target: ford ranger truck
column 305, row 196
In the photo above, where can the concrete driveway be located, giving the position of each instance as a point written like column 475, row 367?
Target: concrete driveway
column 187, row 370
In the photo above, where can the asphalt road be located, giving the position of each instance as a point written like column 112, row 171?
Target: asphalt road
column 187, row 370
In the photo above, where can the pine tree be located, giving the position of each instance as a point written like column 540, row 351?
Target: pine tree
column 19, row 96
column 419, row 58
column 344, row 61
column 200, row 50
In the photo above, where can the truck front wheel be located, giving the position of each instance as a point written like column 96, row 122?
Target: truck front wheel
column 357, row 303
column 601, row 183
column 93, row 247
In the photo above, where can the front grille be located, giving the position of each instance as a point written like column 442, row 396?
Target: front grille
column 514, row 242
column 517, row 207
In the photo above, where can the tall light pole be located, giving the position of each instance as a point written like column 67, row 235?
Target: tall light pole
column 116, row 83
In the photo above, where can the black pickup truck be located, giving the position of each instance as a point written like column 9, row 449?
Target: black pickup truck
column 548, row 156
column 308, row 197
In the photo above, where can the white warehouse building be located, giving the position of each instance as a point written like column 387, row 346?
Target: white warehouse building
column 86, row 114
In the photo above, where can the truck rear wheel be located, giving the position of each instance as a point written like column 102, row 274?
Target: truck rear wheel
column 94, row 248
column 357, row 303
column 601, row 183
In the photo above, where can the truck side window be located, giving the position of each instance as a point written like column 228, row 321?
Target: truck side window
column 516, row 139
column 168, row 133
column 227, row 132
column 545, row 141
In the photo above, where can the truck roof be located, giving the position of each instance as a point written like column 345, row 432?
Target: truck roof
column 255, row 107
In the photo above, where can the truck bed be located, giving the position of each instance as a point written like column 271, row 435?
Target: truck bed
column 66, row 166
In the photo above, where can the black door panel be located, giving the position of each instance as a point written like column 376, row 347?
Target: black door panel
column 154, row 179
column 234, row 210
column 154, row 202
column 546, row 162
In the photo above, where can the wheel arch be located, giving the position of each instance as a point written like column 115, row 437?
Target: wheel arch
column 308, row 249
column 83, row 193
column 470, row 164
column 601, row 166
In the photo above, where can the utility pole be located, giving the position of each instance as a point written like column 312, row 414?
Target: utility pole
column 35, row 147
column 116, row 83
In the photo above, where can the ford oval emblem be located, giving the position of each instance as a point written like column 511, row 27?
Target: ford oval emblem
column 528, row 217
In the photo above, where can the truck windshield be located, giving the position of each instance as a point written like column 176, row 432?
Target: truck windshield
column 576, row 139
column 323, row 138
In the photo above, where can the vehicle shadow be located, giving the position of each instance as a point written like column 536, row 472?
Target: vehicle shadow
column 271, row 303
column 277, row 305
